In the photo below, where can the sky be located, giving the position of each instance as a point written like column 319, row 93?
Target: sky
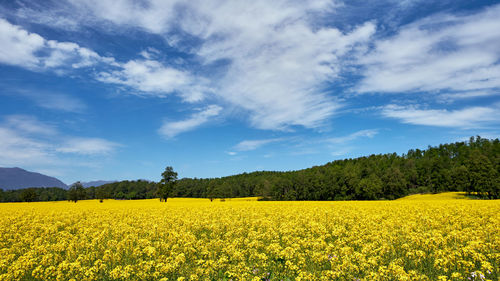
column 115, row 90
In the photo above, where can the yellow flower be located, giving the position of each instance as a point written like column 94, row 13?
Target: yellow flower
column 420, row 238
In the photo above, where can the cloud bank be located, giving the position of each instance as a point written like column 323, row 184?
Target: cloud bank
column 275, row 62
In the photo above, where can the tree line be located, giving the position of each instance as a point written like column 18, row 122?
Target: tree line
column 123, row 190
column 472, row 166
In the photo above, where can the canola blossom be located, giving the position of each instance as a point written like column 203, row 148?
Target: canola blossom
column 420, row 238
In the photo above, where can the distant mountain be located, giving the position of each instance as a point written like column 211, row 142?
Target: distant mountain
column 95, row 183
column 16, row 178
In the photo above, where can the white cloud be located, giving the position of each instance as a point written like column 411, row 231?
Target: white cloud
column 29, row 125
column 462, row 118
column 341, row 152
column 439, row 53
column 150, row 76
column 26, row 141
column 87, row 146
column 172, row 129
column 277, row 61
column 150, row 53
column 248, row 145
column 342, row 146
column 451, row 97
column 154, row 16
column 59, row 17
column 48, row 100
column 22, row 48
column 18, row 149
column 19, row 46
column 30, row 50
column 353, row 136
column 59, row 102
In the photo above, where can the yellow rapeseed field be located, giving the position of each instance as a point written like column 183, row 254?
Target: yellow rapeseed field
column 195, row 239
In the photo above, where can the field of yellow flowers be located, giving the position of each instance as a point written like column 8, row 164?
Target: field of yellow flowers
column 420, row 238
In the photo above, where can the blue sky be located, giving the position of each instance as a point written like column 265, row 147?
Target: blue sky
column 105, row 89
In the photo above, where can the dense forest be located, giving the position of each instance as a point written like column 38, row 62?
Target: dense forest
column 473, row 167
column 139, row 189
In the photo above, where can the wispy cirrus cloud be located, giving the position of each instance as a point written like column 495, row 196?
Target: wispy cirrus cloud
column 60, row 102
column 172, row 129
column 475, row 116
column 153, row 78
column 344, row 145
column 442, row 52
column 87, row 146
column 279, row 65
column 466, row 95
column 359, row 134
column 275, row 61
column 248, row 145
column 27, row 141
column 18, row 149
column 48, row 100
column 26, row 124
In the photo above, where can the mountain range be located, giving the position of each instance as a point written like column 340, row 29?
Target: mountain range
column 17, row 178
column 95, row 183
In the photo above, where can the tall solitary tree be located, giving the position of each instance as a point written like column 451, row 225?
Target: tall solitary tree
column 76, row 192
column 166, row 185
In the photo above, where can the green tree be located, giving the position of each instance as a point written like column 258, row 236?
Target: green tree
column 166, row 185
column 90, row 192
column 212, row 190
column 28, row 195
column 483, row 177
column 460, row 177
column 76, row 192
column 395, row 183
column 101, row 194
column 371, row 187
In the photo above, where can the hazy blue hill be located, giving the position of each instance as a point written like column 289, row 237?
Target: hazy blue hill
column 95, row 183
column 16, row 178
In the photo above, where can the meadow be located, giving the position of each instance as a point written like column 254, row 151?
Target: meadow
column 421, row 237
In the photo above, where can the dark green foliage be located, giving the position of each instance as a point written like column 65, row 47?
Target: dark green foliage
column 33, row 194
column 139, row 189
column 460, row 177
column 167, row 183
column 28, row 195
column 76, row 192
column 483, row 178
column 463, row 166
